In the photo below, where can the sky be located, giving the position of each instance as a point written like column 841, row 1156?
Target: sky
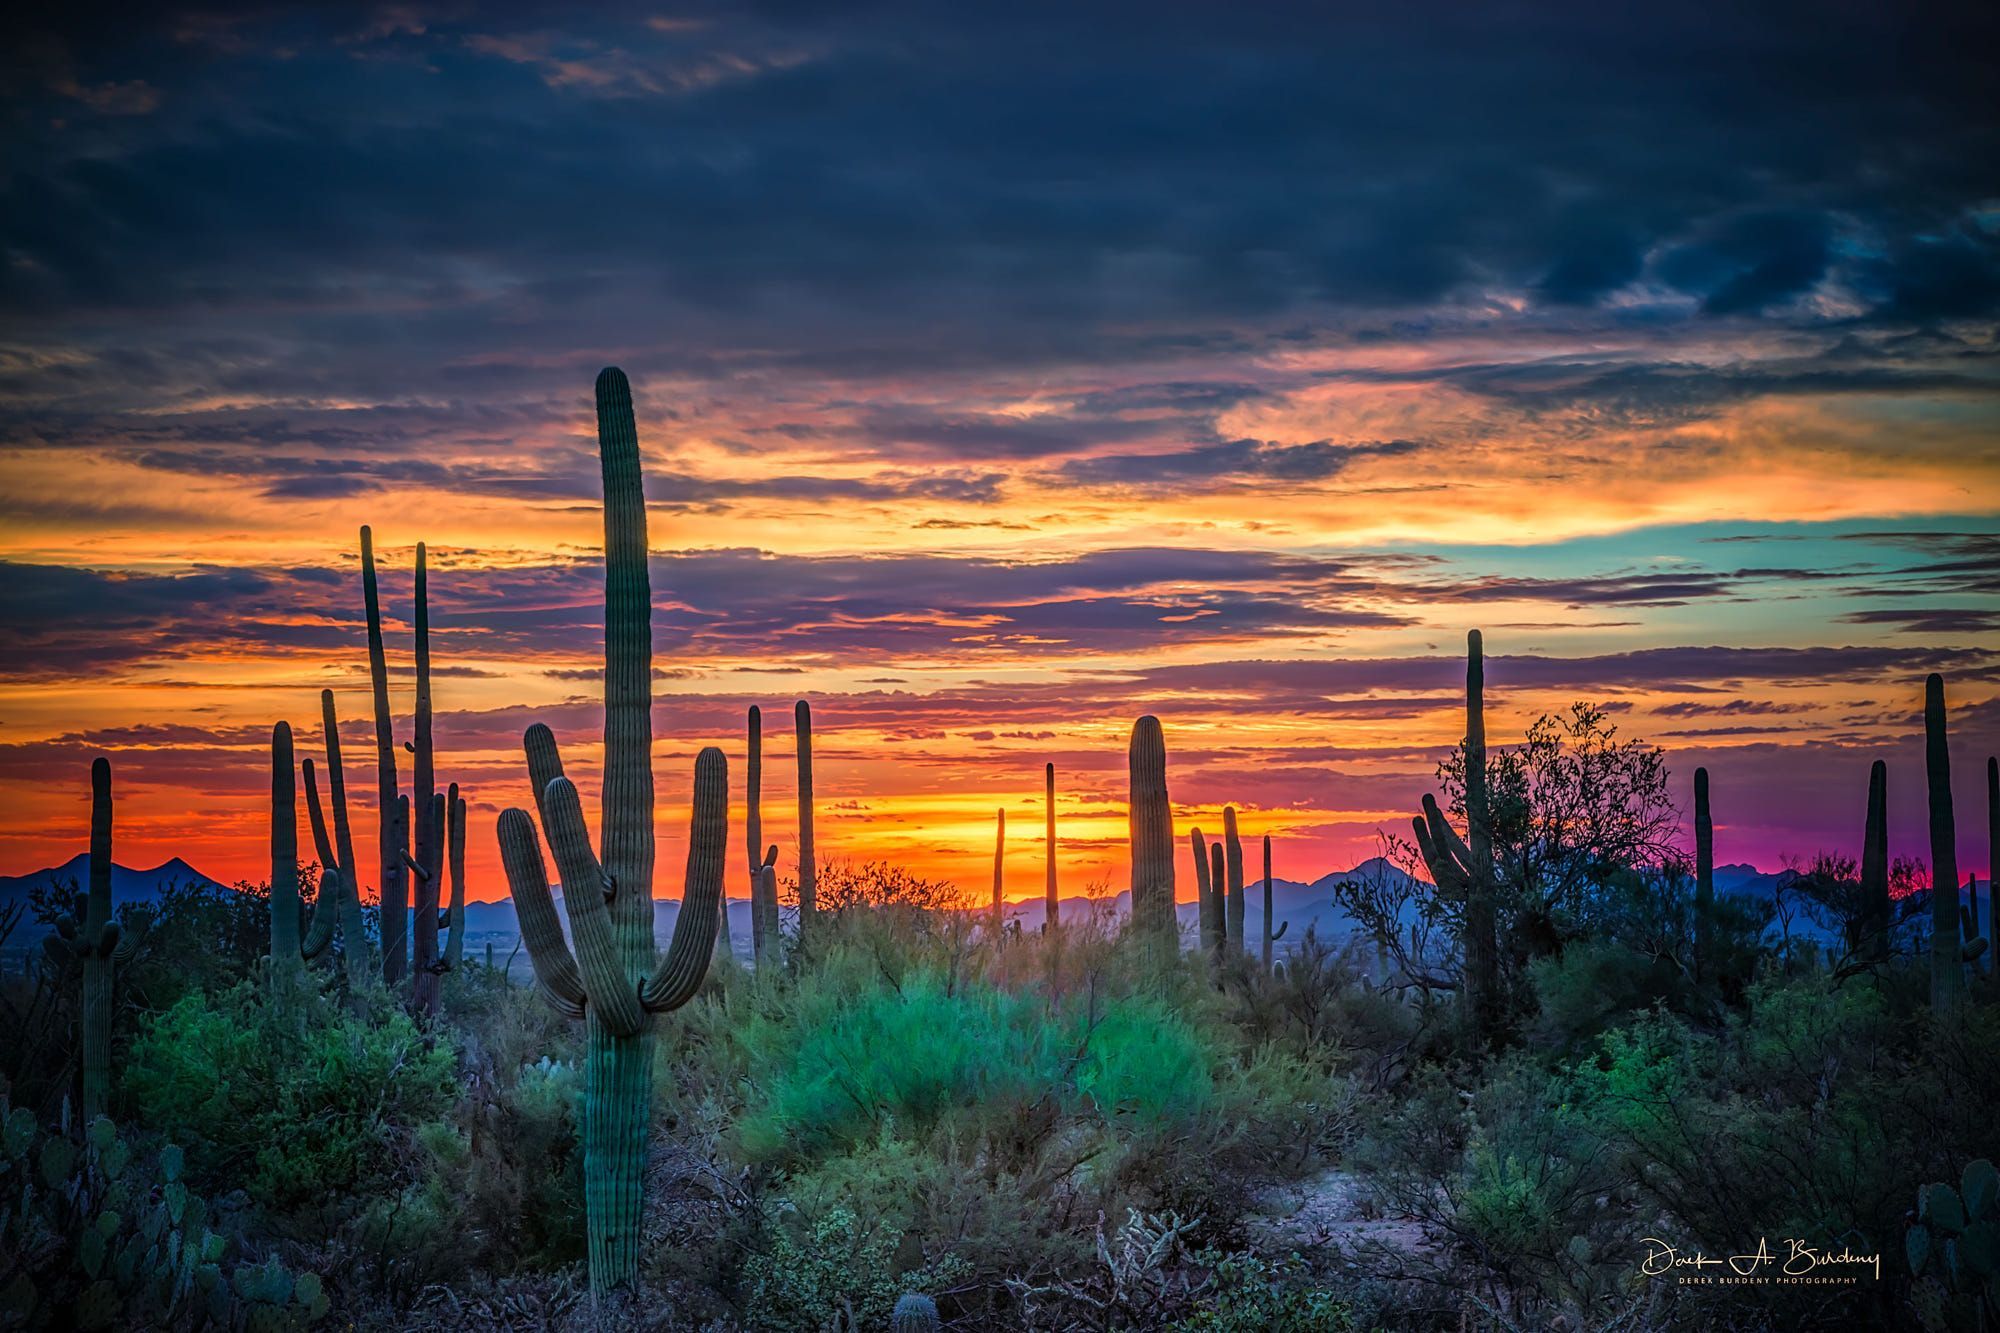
column 1003, row 373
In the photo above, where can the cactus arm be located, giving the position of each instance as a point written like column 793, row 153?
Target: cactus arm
column 1204, row 898
column 587, row 902
column 1445, row 872
column 544, row 764
column 528, row 880
column 1446, row 837
column 1279, row 933
column 326, row 911
column 681, row 970
column 395, row 946
column 455, row 842
column 353, row 927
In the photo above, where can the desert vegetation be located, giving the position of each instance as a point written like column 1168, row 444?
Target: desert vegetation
column 1550, row 1049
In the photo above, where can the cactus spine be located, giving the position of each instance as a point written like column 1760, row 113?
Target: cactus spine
column 1875, row 863
column 1151, row 833
column 914, row 1313
column 616, row 976
column 394, row 847
column 1238, row 901
column 1947, row 960
column 1464, row 867
column 1704, row 878
column 1051, row 909
column 802, row 724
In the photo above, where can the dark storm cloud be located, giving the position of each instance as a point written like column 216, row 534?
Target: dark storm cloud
column 915, row 185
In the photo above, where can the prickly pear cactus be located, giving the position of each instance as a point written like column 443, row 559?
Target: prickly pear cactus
column 914, row 1314
column 1954, row 1252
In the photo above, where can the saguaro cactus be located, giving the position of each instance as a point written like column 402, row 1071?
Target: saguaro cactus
column 1704, row 878
column 1151, row 832
column 753, row 827
column 1218, row 879
column 288, row 948
column 616, row 976
column 1208, row 901
column 1050, row 907
column 430, row 808
column 1270, row 937
column 802, row 726
column 1875, row 863
column 1947, row 953
column 999, row 871
column 453, row 919
column 1232, row 856
column 93, row 942
column 336, row 855
column 394, row 845
column 1464, row 867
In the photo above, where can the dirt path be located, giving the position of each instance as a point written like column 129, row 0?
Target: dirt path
column 1330, row 1211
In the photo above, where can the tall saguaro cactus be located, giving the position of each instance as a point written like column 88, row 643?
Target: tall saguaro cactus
column 1050, row 907
column 1704, row 879
column 430, row 811
column 753, row 827
column 802, row 727
column 1464, row 867
column 288, row 948
column 1270, row 937
column 616, row 977
column 1209, row 907
column 999, row 871
column 1232, row 857
column 1151, row 832
column 96, row 946
column 394, row 845
column 1875, row 863
column 1947, row 953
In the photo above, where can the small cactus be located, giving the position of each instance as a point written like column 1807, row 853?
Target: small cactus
column 1954, row 1252
column 915, row 1313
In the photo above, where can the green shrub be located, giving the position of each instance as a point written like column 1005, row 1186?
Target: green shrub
column 291, row 1110
column 834, row 1272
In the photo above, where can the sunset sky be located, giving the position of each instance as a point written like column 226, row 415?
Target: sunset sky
column 1003, row 375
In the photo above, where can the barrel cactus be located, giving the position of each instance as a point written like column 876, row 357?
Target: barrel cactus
column 1151, row 833
column 616, row 977
column 915, row 1313
column 1954, row 1252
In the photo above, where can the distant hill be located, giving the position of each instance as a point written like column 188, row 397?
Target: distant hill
column 127, row 884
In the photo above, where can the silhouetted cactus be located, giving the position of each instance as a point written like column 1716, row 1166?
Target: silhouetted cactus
column 288, row 949
column 1151, row 832
column 1947, row 950
column 1954, row 1252
column 1270, row 937
column 1875, row 865
column 1704, row 878
column 914, row 1313
column 999, row 922
column 431, row 813
column 802, row 726
column 394, row 845
column 336, row 855
column 765, row 935
column 1218, row 881
column 1051, row 909
column 1209, row 907
column 1237, row 901
column 94, row 944
column 453, row 919
column 1464, row 867
column 616, row 976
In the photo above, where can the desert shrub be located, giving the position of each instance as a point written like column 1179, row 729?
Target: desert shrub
column 834, row 1272
column 292, row 1109
column 1252, row 1294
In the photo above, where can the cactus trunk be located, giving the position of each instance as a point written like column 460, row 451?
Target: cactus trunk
column 1482, row 970
column 430, row 814
column 1267, row 903
column 1238, row 903
column 616, row 977
column 95, row 944
column 1209, row 907
column 1875, row 864
column 1947, row 961
column 1151, row 832
column 999, row 871
column 1051, row 908
column 395, row 903
column 802, row 723
column 284, row 870
column 1704, row 879
column 753, row 829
